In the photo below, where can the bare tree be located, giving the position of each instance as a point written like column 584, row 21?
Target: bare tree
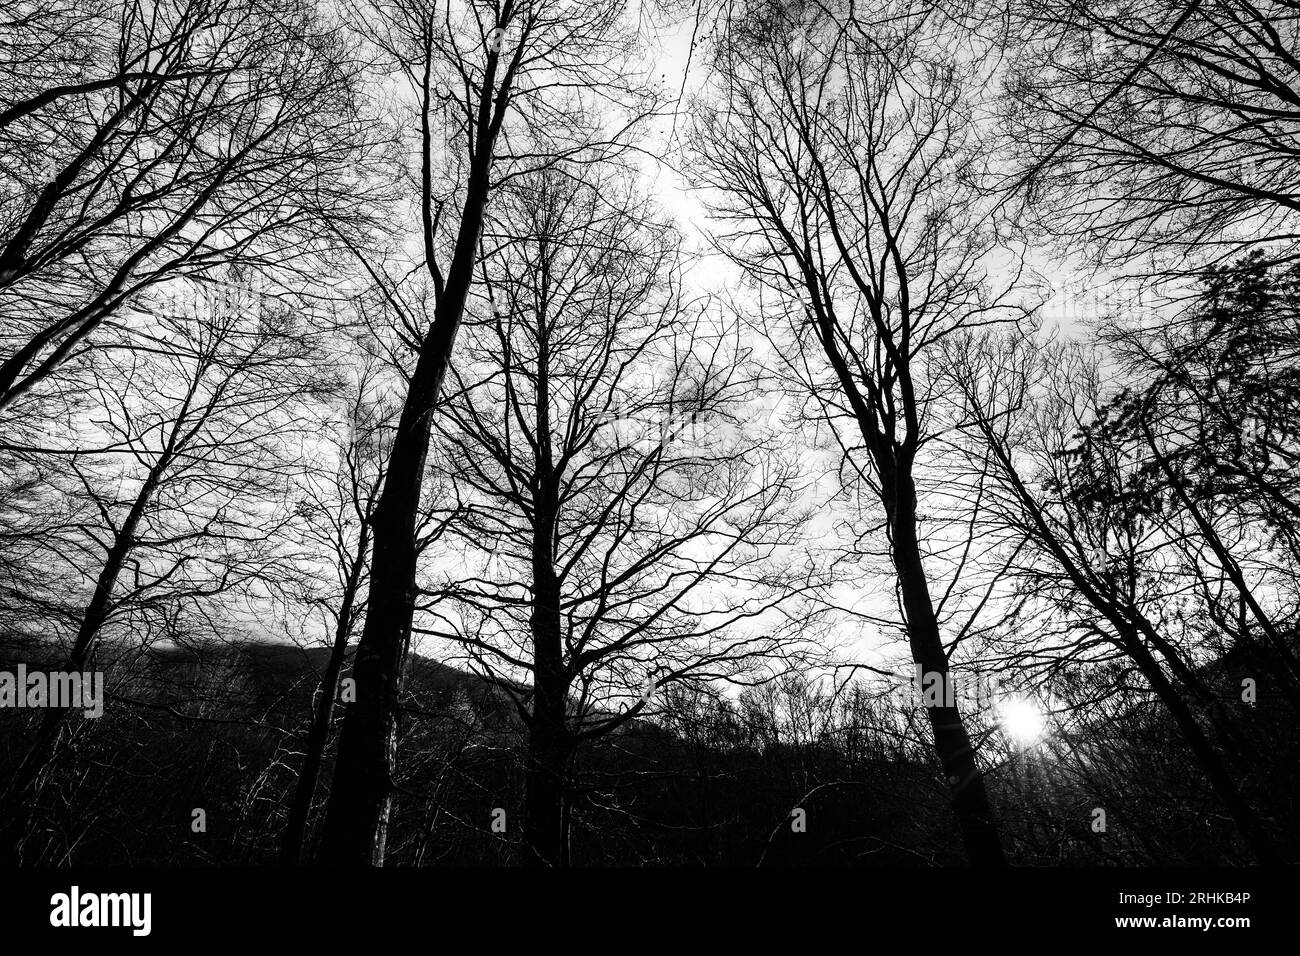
column 1157, row 128
column 1205, row 415
column 185, row 461
column 1097, row 566
column 143, row 142
column 843, row 163
column 637, row 525
column 501, row 77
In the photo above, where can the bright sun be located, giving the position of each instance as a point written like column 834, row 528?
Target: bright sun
column 1021, row 720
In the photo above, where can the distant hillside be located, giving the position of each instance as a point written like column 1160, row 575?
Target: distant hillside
column 262, row 674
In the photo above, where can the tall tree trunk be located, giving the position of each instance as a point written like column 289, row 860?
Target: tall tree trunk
column 296, row 829
column 356, row 823
column 952, row 743
column 549, row 744
column 545, row 778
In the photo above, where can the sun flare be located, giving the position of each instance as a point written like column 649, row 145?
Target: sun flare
column 1021, row 720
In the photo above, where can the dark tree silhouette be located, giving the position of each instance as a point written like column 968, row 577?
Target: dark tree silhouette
column 638, row 521
column 143, row 142
column 478, row 66
column 846, row 161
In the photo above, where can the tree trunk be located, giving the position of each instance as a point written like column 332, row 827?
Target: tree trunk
column 356, row 822
column 545, row 784
column 549, row 745
column 952, row 743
